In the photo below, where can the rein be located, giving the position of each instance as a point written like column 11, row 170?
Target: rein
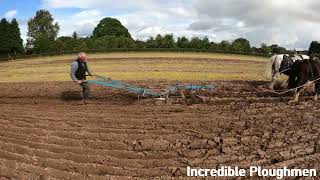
column 282, row 92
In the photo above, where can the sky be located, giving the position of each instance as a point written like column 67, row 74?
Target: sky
column 288, row 23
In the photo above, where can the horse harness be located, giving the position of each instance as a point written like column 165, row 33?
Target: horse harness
column 286, row 64
column 301, row 56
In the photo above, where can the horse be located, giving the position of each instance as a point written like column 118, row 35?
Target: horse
column 302, row 72
column 281, row 64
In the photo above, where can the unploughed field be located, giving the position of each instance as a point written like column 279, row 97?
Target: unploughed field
column 48, row 134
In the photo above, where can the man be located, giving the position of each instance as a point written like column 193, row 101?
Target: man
column 79, row 68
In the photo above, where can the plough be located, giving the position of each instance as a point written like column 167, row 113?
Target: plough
column 108, row 82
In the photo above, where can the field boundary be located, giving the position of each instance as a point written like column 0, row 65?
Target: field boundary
column 112, row 50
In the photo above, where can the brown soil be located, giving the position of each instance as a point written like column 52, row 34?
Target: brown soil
column 47, row 133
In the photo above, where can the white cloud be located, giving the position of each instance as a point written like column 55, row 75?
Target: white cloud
column 289, row 23
column 10, row 14
column 83, row 23
column 97, row 4
column 138, row 16
column 86, row 16
column 67, row 4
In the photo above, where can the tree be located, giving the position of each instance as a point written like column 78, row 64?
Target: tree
column 113, row 42
column 276, row 49
column 205, row 43
column 110, row 27
column 74, row 35
column 125, row 42
column 65, row 43
column 158, row 41
column 314, row 47
column 15, row 41
column 183, row 42
column 151, row 43
column 214, row 46
column 241, row 45
column 81, row 45
column 265, row 49
column 42, row 31
column 168, row 41
column 195, row 43
column 140, row 44
column 4, row 37
column 224, row 45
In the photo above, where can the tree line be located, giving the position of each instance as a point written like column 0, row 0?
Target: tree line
column 10, row 38
column 42, row 37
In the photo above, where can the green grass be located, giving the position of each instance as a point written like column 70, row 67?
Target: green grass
column 141, row 66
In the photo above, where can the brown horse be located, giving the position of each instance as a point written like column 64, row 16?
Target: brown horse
column 302, row 72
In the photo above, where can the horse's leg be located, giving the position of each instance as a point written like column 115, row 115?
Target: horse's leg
column 317, row 90
column 301, row 81
column 273, row 72
column 273, row 81
column 297, row 83
column 296, row 95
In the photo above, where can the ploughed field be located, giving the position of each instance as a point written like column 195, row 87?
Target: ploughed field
column 47, row 133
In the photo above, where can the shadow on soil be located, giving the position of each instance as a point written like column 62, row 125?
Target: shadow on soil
column 71, row 95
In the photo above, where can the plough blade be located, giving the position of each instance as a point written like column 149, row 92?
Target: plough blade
column 105, row 81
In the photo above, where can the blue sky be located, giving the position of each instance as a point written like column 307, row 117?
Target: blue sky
column 289, row 23
column 25, row 9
